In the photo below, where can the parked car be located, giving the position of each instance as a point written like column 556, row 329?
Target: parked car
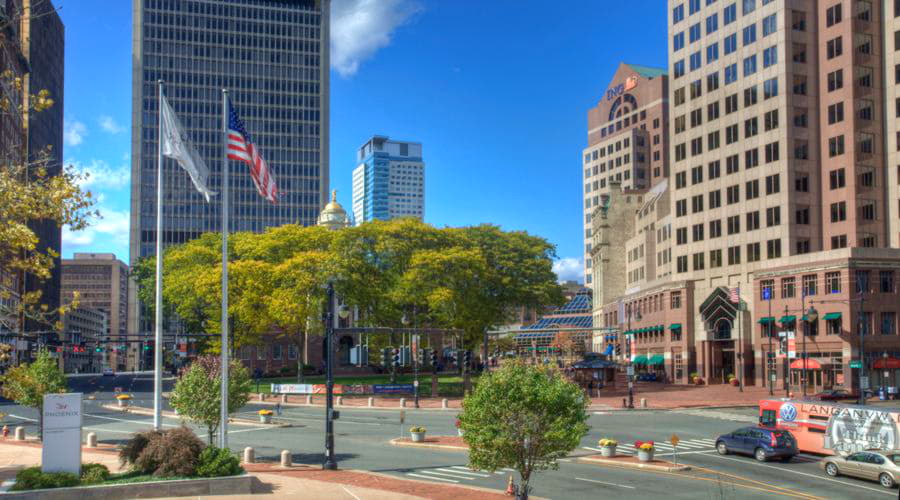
column 878, row 466
column 108, row 372
column 834, row 395
column 762, row 444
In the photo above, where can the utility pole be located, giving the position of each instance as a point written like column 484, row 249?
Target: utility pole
column 862, row 350
column 769, row 330
column 329, row 463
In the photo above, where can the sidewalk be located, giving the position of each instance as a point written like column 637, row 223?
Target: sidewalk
column 669, row 397
column 299, row 481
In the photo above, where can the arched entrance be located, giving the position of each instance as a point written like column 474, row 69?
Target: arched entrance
column 718, row 357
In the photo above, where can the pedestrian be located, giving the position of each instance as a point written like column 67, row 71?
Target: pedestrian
column 591, row 389
column 278, row 408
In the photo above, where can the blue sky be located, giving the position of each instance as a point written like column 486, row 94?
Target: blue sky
column 496, row 90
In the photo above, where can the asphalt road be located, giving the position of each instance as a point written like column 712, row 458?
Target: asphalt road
column 362, row 437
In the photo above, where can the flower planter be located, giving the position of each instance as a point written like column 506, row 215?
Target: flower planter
column 123, row 403
column 417, row 437
column 645, row 455
column 265, row 419
column 608, row 451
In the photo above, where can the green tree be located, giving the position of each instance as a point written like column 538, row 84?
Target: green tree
column 523, row 417
column 197, row 394
column 27, row 384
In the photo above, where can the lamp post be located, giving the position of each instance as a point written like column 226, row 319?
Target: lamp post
column 811, row 317
column 628, row 341
column 414, row 352
column 329, row 462
column 770, row 327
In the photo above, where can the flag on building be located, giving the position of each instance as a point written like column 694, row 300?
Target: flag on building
column 241, row 148
column 735, row 295
column 175, row 145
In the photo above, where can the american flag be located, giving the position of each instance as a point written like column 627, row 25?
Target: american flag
column 735, row 294
column 241, row 148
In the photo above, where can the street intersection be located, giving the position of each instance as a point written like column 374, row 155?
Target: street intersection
column 362, row 442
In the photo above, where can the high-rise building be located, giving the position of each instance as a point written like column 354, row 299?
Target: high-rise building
column 273, row 57
column 389, row 180
column 101, row 281
column 782, row 198
column 83, row 331
column 627, row 141
column 35, row 51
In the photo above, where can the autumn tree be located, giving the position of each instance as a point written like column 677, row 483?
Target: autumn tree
column 27, row 384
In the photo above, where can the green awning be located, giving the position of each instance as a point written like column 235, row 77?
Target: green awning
column 640, row 360
column 763, row 321
column 831, row 316
column 628, row 332
column 641, row 330
column 787, row 319
column 675, row 326
column 656, row 359
column 660, row 328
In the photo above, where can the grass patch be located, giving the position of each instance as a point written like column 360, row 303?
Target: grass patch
column 138, row 477
column 448, row 385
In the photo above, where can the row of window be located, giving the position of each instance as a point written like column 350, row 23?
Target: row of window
column 887, row 326
column 729, row 13
column 754, row 254
column 810, row 283
column 729, row 46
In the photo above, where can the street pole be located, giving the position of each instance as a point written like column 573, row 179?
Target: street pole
column 771, row 352
column 628, row 357
column 787, row 377
column 329, row 463
column 740, row 353
column 862, row 351
column 805, row 331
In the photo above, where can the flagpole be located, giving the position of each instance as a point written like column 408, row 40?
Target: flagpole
column 157, row 351
column 223, row 416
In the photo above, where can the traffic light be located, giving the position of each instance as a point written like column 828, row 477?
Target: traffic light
column 386, row 357
column 467, row 358
column 420, row 357
column 434, row 359
column 98, row 349
column 395, row 360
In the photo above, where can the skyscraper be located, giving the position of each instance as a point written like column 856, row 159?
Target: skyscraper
column 273, row 57
column 389, row 180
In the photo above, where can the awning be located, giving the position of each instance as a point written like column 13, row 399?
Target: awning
column 628, row 332
column 811, row 364
column 831, row 316
column 886, row 363
column 675, row 326
column 787, row 319
column 640, row 360
column 763, row 321
column 656, row 359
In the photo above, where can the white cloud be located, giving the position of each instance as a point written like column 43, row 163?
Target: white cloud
column 569, row 268
column 108, row 234
column 100, row 175
column 74, row 132
column 109, row 124
column 360, row 27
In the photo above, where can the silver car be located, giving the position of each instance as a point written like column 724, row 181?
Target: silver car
column 881, row 466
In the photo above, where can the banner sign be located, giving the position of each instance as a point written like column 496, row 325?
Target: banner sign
column 393, row 389
column 62, row 420
column 357, row 389
column 292, row 388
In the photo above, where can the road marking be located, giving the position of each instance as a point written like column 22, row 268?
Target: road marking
column 465, row 471
column 444, row 474
column 142, row 422
column 22, row 418
column 804, row 474
column 102, row 429
column 433, row 478
column 604, row 482
column 321, row 420
column 350, row 493
column 699, row 452
column 589, row 448
column 251, row 430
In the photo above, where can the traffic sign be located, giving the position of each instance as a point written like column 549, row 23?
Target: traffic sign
column 856, row 364
column 864, row 382
column 629, row 370
column 767, row 293
column 674, row 439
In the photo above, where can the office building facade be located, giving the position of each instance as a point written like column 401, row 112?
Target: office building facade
column 101, row 282
column 779, row 199
column 83, row 329
column 627, row 141
column 388, row 181
column 273, row 57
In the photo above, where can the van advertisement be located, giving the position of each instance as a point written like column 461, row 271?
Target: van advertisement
column 852, row 429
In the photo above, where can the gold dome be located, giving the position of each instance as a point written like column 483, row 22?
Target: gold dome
column 333, row 216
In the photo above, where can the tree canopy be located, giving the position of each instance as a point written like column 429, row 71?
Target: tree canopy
column 464, row 278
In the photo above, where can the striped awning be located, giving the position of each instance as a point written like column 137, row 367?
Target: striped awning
column 831, row 316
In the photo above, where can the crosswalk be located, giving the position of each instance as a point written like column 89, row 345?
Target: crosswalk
column 455, row 474
column 698, row 444
column 719, row 414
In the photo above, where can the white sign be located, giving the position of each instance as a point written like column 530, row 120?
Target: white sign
column 629, row 370
column 62, row 420
column 864, row 382
column 292, row 389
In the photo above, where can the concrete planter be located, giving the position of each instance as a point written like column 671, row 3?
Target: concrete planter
column 265, row 419
column 124, row 403
column 417, row 437
column 234, row 485
column 608, row 451
column 645, row 455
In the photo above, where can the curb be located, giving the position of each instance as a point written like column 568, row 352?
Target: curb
column 632, row 465
column 137, row 410
column 351, row 407
column 703, row 407
column 398, row 442
column 467, row 487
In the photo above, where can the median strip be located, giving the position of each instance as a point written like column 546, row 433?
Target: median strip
column 633, row 463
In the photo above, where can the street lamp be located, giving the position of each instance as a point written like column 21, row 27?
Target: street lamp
column 811, row 317
column 330, row 415
column 414, row 352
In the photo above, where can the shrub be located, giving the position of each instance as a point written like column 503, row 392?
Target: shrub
column 416, row 429
column 218, row 462
column 133, row 448
column 175, row 452
column 94, row 473
column 33, row 479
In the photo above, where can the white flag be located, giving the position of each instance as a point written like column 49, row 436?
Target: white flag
column 175, row 145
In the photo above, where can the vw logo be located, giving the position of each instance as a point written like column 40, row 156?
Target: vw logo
column 788, row 412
